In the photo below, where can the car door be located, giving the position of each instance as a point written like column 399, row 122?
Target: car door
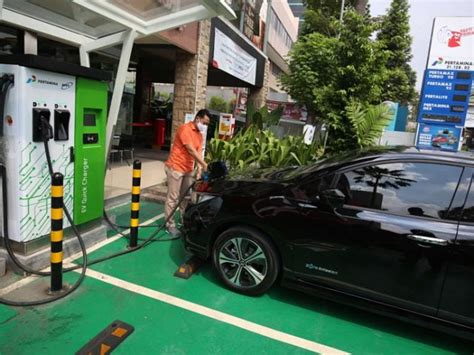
column 457, row 300
column 389, row 240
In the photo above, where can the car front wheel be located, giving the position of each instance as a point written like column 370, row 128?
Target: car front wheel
column 245, row 260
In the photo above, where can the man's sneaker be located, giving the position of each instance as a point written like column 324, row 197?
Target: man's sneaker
column 173, row 231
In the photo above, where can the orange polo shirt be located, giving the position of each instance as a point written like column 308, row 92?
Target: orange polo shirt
column 179, row 158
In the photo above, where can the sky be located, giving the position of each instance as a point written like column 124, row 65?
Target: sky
column 422, row 13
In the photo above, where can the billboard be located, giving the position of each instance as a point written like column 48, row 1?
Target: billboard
column 452, row 44
column 447, row 84
column 438, row 137
column 233, row 59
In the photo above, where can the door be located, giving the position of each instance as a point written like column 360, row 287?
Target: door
column 389, row 241
column 457, row 301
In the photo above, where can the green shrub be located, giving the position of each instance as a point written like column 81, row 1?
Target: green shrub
column 255, row 148
column 217, row 103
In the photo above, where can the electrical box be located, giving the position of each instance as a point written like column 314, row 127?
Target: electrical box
column 73, row 100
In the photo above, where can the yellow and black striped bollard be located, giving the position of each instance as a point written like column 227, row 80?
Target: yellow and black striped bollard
column 57, row 191
column 137, row 174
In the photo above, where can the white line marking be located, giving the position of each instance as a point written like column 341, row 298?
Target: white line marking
column 68, row 260
column 18, row 284
column 217, row 315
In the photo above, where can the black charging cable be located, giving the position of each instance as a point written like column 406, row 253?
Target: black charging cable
column 6, row 81
column 47, row 134
column 46, row 127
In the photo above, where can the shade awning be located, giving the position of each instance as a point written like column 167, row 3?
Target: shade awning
column 99, row 18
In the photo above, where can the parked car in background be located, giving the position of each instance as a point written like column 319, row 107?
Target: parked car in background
column 388, row 230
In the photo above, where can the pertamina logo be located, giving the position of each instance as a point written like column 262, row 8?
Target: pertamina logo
column 31, row 80
column 35, row 80
column 453, row 38
column 438, row 61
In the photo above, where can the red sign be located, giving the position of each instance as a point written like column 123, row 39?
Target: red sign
column 291, row 110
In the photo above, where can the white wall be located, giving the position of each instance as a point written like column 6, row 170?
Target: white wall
column 397, row 138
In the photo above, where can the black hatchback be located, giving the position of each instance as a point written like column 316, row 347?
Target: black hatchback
column 388, row 230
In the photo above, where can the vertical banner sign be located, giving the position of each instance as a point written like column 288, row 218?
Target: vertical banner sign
column 447, row 84
column 226, row 125
column 233, row 59
column 445, row 97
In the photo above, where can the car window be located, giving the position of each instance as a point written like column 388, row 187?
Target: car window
column 309, row 188
column 468, row 213
column 416, row 189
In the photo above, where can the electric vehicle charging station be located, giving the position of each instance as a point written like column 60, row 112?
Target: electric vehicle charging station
column 73, row 100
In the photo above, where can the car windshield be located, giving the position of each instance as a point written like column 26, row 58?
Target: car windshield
column 330, row 160
column 292, row 172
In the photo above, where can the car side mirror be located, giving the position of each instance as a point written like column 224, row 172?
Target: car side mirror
column 333, row 198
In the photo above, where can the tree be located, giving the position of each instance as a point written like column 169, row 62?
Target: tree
column 394, row 37
column 328, row 73
column 322, row 15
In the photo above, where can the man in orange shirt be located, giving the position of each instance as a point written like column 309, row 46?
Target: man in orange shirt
column 186, row 149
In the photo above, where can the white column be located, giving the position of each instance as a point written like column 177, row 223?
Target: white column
column 118, row 87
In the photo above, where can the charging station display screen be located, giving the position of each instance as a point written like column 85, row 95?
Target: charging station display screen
column 89, row 119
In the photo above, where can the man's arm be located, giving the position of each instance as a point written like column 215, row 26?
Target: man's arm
column 196, row 156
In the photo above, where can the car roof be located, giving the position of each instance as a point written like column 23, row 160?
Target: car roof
column 379, row 154
column 413, row 152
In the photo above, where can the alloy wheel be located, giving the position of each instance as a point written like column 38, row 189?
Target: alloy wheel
column 243, row 262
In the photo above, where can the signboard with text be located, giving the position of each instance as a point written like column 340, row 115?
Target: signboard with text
column 231, row 58
column 447, row 84
column 452, row 43
column 438, row 137
column 291, row 110
column 445, row 97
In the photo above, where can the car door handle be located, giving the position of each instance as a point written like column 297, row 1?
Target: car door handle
column 428, row 240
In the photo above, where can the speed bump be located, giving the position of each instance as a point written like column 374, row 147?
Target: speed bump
column 107, row 340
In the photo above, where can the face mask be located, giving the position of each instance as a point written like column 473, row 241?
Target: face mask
column 201, row 126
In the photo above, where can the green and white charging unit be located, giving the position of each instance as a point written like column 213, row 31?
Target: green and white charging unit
column 74, row 101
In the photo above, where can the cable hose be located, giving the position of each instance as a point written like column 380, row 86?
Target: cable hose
column 6, row 80
column 27, row 269
column 114, row 227
column 85, row 261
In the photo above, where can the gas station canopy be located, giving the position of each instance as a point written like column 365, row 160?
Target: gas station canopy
column 93, row 25
column 99, row 18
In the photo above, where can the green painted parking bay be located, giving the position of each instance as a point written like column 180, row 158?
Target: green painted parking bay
column 199, row 315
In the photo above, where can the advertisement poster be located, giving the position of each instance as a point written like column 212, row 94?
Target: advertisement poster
column 438, row 137
column 452, row 44
column 291, row 110
column 226, row 125
column 445, row 96
column 231, row 58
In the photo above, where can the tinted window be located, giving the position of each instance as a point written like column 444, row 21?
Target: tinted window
column 468, row 213
column 310, row 187
column 416, row 189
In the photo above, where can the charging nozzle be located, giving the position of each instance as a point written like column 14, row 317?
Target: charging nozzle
column 215, row 170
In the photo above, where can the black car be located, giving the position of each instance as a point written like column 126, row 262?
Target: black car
column 388, row 230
